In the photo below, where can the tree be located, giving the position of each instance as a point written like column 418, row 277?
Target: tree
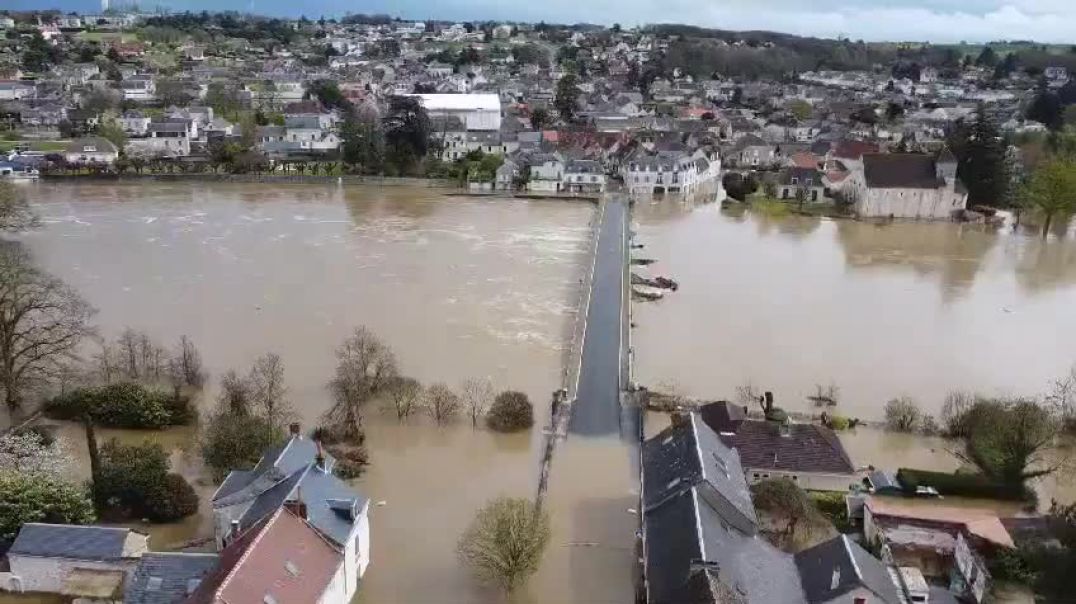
column 477, row 395
column 789, row 507
column 981, row 161
column 404, row 394
column 15, row 212
column 42, row 324
column 365, row 367
column 511, row 412
column 268, row 392
column 362, row 142
column 1011, row 441
column 567, row 95
column 235, row 397
column 190, row 363
column 235, row 442
column 505, row 542
column 173, row 93
column 442, row 404
column 800, row 109
column 407, row 131
column 37, row 498
column 902, row 414
column 134, row 480
column 113, row 133
column 1046, row 108
column 328, row 93
column 1052, row 190
column 27, row 452
column 540, row 118
column 987, row 58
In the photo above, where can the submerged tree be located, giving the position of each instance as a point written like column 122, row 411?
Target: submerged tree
column 268, row 391
column 477, row 394
column 365, row 367
column 190, row 363
column 505, row 542
column 442, row 404
column 42, row 323
column 1011, row 441
column 15, row 211
column 404, row 395
column 1052, row 190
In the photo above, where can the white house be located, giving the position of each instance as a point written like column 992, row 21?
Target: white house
column 669, row 172
column 84, row 561
column 583, row 176
column 546, row 173
column 298, row 475
column 90, row 150
column 476, row 111
column 908, row 185
column 134, row 123
column 139, row 88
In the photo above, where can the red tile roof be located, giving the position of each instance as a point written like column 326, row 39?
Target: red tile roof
column 286, row 559
column 853, row 149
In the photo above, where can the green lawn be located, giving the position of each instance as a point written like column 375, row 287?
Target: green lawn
column 43, row 146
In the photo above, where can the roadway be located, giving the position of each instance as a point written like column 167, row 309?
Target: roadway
column 596, row 410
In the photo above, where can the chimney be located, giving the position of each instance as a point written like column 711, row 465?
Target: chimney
column 297, row 507
column 319, row 457
column 768, row 405
column 232, row 534
column 296, row 429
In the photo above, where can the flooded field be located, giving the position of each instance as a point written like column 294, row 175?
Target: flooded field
column 459, row 288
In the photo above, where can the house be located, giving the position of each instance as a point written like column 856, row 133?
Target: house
column 282, row 558
column 79, row 561
column 908, row 185
column 90, row 150
column 13, row 90
column 583, row 176
column 546, row 173
column 701, row 542
column 134, row 123
column 165, row 138
column 507, row 176
column 138, row 88
column 298, row 473
column 477, row 111
column 752, row 151
column 810, row 455
column 792, row 182
column 168, row 577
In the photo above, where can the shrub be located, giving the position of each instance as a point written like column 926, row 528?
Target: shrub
column 838, row 423
column 966, row 485
column 351, row 460
column 40, row 498
column 134, row 481
column 511, row 412
column 505, row 542
column 122, row 405
column 833, row 507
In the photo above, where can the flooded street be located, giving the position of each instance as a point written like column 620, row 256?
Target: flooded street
column 458, row 287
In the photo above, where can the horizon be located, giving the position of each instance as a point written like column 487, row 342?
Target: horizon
column 910, row 21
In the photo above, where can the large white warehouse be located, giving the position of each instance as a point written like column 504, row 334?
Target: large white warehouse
column 476, row 111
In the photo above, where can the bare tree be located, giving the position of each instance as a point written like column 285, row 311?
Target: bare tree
column 128, row 346
column 902, row 414
column 15, row 212
column 404, row 395
column 365, row 366
column 235, row 394
column 106, row 362
column 190, row 362
column 268, row 390
column 1062, row 397
column 442, row 404
column 747, row 394
column 477, row 394
column 42, row 323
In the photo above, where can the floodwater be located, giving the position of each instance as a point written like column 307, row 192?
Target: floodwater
column 459, row 287
column 879, row 310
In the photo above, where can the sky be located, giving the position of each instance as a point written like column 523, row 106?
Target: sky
column 1051, row 21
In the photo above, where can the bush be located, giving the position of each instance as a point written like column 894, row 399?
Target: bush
column 40, row 498
column 965, row 485
column 235, row 442
column 511, row 412
column 838, row 422
column 351, row 460
column 122, row 405
column 134, row 481
column 833, row 507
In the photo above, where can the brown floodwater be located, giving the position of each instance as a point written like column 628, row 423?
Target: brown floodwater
column 459, row 287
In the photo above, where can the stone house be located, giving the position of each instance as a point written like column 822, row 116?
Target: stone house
column 583, row 176
column 792, row 180
column 90, row 150
column 907, row 185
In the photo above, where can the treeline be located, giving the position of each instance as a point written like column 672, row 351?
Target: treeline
column 228, row 24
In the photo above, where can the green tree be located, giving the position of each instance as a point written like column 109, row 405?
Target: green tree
column 800, row 109
column 511, row 412
column 235, row 442
column 362, row 142
column 40, row 498
column 327, row 92
column 566, row 98
column 505, row 542
column 987, row 58
column 407, row 132
column 134, row 480
column 112, row 132
column 1046, row 108
column 981, row 161
column 1011, row 441
column 540, row 118
column 1052, row 190
column 902, row 414
column 794, row 518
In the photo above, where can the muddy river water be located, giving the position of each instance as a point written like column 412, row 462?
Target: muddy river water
column 464, row 287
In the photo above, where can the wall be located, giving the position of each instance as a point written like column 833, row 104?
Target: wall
column 910, row 203
column 809, row 481
column 48, row 574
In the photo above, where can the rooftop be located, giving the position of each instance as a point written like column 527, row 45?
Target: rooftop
column 71, row 541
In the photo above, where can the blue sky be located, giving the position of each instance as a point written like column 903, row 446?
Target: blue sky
column 930, row 20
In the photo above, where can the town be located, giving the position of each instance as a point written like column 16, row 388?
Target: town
column 729, row 496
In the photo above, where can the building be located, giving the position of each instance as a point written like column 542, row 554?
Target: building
column 167, row 138
column 545, row 173
column 583, row 176
column 90, row 150
column 668, row 172
column 168, row 577
column 299, row 474
column 908, row 185
column 808, row 454
column 701, row 542
column 476, row 111
column 78, row 561
column 794, row 181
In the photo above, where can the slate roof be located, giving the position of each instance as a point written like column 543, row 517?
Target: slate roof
column 103, row 145
column 70, row 541
column 802, row 176
column 838, row 566
column 806, row 448
column 723, row 416
column 900, row 171
column 167, row 577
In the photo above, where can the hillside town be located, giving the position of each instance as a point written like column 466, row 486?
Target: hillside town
column 733, row 503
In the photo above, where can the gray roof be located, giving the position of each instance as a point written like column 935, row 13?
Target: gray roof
column 168, row 126
column 70, row 541
column 583, row 166
column 167, row 578
column 838, row 566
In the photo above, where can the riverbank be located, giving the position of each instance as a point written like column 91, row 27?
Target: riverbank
column 351, row 179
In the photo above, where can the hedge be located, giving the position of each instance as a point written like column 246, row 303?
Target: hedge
column 959, row 484
column 122, row 405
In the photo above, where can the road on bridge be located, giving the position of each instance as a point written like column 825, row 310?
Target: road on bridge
column 596, row 410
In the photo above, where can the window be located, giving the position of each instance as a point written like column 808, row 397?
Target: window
column 796, row 181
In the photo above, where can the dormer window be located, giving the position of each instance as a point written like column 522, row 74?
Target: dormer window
column 89, row 149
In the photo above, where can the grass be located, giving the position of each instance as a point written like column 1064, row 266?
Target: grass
column 43, row 146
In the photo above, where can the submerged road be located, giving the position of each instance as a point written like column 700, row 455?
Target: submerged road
column 596, row 409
